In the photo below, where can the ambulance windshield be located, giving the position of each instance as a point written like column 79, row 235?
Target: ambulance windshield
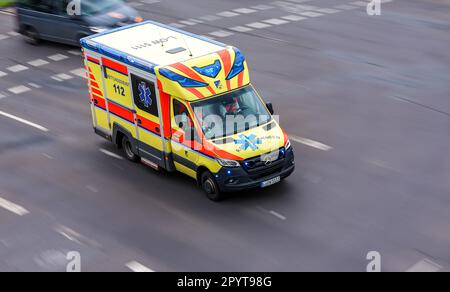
column 231, row 113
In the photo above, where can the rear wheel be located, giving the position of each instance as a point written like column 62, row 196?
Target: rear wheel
column 31, row 36
column 210, row 187
column 128, row 150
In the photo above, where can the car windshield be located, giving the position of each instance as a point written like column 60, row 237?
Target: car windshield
column 231, row 113
column 93, row 7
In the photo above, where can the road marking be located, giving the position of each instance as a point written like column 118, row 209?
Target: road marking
column 187, row 22
column 276, row 21
column 2, row 74
column 258, row 25
column 58, row 57
column 18, row 89
column 2, row 95
column 346, row 7
column 75, row 52
column 14, row 208
column 241, row 29
column 17, row 68
column 92, row 189
column 221, row 33
column 23, row 121
column 360, row 3
column 425, row 265
column 138, row 267
column 75, row 236
column 38, row 63
column 262, row 7
column 311, row 14
column 62, row 77
column 195, row 20
column 210, row 18
column 110, row 154
column 177, row 25
column 80, row 72
column 244, row 10
column 3, row 37
column 294, row 17
column 327, row 10
column 278, row 215
column 34, row 85
column 48, row 156
column 227, row 14
column 13, row 33
column 310, row 143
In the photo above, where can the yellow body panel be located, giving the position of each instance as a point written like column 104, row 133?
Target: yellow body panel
column 118, row 88
column 100, row 116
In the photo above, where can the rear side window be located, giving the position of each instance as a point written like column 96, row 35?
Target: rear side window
column 38, row 5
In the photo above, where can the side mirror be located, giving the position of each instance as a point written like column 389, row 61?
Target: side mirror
column 270, row 108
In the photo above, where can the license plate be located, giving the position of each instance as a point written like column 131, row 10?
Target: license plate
column 270, row 182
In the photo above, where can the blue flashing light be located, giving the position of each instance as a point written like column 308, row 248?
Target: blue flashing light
column 183, row 81
column 238, row 66
column 210, row 71
column 229, row 172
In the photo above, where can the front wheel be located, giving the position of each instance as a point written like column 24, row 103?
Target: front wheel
column 128, row 150
column 210, row 187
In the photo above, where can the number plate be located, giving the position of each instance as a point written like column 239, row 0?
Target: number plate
column 270, row 182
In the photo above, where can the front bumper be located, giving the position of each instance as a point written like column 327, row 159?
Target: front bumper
column 238, row 179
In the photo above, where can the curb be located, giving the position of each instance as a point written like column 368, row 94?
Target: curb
column 8, row 11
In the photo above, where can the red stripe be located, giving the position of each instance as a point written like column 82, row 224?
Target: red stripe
column 93, row 60
column 95, row 84
column 211, row 90
column 100, row 102
column 165, row 108
column 286, row 138
column 149, row 125
column 211, row 150
column 92, row 76
column 226, row 59
column 229, row 84
column 96, row 91
column 195, row 92
column 121, row 112
column 115, row 66
column 241, row 79
column 188, row 71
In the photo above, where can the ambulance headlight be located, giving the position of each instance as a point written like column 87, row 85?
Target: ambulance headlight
column 228, row 162
column 97, row 29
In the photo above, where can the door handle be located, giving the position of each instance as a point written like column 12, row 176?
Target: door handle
column 157, row 130
column 139, row 121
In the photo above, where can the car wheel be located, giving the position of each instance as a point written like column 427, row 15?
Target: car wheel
column 128, row 150
column 31, row 36
column 210, row 187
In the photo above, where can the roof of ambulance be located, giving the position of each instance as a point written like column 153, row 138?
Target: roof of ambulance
column 143, row 41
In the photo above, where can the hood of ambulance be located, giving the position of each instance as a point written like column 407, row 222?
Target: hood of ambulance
column 251, row 143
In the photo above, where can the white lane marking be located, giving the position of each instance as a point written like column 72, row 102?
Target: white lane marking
column 328, row 10
column 92, row 189
column 34, row 85
column 17, row 68
column 177, row 25
column 74, row 52
column 2, row 95
column 138, row 267
column 57, row 57
column 262, row 7
column 14, row 208
column 3, row 37
column 61, row 77
column 241, row 29
column 80, row 72
column 13, row 33
column 276, row 21
column 48, row 156
column 18, row 89
column 345, row 7
column 23, row 121
column 38, row 63
column 278, row 215
column 360, row 3
column 294, row 17
column 150, row 1
column 425, row 265
column 75, row 236
column 258, row 25
column 187, row 22
column 244, row 10
column 195, row 20
column 210, row 18
column 310, row 143
column 110, row 154
column 311, row 14
column 2, row 74
column 221, row 33
column 227, row 14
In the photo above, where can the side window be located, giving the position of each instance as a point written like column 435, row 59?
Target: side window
column 144, row 95
column 39, row 5
column 183, row 120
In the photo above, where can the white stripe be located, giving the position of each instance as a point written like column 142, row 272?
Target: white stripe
column 244, row 10
column 74, row 52
column 177, row 25
column 425, row 265
column 187, row 22
column 263, row 7
column 17, row 68
column 311, row 14
column 31, row 124
column 221, row 33
column 14, row 208
column 276, row 21
column 241, row 29
column 38, row 63
column 3, row 37
column 278, row 215
column 294, row 17
column 227, row 14
column 18, row 89
column 13, row 33
column 109, row 153
column 310, row 143
column 258, row 25
column 79, row 72
column 57, row 57
column 138, row 267
column 2, row 74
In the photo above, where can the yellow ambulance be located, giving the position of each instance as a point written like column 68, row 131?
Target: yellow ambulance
column 181, row 102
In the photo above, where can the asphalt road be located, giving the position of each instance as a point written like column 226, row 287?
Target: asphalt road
column 373, row 90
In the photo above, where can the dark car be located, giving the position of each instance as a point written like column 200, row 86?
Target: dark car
column 67, row 21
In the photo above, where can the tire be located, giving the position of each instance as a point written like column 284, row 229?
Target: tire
column 31, row 36
column 128, row 150
column 210, row 187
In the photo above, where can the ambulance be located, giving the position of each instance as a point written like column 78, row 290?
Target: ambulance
column 181, row 102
